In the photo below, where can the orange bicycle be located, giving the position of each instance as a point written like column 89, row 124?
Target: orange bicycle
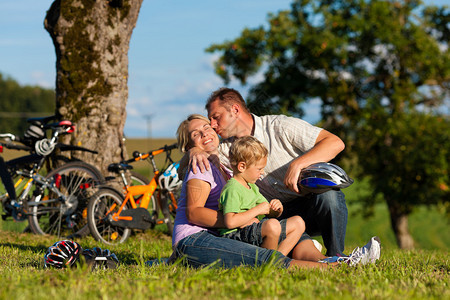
column 112, row 216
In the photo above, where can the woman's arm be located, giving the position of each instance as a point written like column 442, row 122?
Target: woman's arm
column 196, row 212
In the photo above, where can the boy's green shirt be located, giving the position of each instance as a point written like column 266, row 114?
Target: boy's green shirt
column 235, row 198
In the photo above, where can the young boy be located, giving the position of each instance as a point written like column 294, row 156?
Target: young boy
column 242, row 204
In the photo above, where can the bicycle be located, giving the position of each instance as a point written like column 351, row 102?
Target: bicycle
column 55, row 203
column 112, row 215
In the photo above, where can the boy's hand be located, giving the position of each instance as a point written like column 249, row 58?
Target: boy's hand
column 276, row 206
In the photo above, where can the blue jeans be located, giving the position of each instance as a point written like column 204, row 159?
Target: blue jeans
column 204, row 248
column 324, row 214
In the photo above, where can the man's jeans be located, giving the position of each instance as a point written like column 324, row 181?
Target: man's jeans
column 324, row 214
column 204, row 248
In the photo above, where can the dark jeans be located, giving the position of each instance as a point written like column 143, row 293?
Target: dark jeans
column 204, row 248
column 252, row 234
column 324, row 214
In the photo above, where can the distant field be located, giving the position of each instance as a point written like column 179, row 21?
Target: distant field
column 145, row 145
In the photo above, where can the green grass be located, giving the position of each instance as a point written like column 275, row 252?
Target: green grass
column 418, row 274
column 398, row 274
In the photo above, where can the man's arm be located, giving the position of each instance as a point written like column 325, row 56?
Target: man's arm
column 326, row 147
column 193, row 158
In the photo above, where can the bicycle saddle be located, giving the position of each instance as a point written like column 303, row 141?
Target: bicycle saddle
column 41, row 120
column 117, row 167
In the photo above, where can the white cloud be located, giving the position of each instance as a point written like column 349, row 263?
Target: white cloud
column 169, row 105
column 43, row 79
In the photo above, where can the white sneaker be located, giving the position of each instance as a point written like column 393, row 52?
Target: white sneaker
column 318, row 245
column 374, row 248
column 370, row 253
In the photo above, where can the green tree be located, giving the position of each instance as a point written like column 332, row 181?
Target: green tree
column 91, row 40
column 18, row 103
column 381, row 70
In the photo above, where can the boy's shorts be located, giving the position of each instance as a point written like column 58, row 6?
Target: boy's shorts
column 251, row 234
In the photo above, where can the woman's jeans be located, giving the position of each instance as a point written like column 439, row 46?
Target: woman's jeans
column 204, row 248
column 324, row 214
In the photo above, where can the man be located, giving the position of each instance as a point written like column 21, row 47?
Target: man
column 293, row 144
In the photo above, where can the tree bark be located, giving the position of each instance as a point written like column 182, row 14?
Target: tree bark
column 399, row 223
column 91, row 40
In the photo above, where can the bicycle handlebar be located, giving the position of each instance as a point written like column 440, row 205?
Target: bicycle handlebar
column 15, row 146
column 140, row 156
column 9, row 137
column 58, row 128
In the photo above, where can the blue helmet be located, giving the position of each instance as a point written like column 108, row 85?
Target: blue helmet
column 322, row 177
column 169, row 180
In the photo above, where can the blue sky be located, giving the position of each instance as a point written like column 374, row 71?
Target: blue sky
column 170, row 75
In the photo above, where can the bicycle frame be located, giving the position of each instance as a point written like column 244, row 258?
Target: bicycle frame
column 145, row 191
column 33, row 159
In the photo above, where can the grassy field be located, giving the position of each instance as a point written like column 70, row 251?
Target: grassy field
column 420, row 274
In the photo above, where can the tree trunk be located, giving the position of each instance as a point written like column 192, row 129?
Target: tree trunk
column 399, row 223
column 91, row 40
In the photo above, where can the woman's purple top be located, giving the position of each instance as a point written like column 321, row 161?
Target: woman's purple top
column 182, row 226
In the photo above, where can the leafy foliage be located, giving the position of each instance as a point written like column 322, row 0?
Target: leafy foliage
column 412, row 158
column 17, row 99
column 343, row 52
column 381, row 70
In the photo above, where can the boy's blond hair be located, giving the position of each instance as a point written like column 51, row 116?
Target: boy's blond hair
column 246, row 149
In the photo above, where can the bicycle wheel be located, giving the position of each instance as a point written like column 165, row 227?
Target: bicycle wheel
column 138, row 179
column 167, row 210
column 64, row 214
column 101, row 205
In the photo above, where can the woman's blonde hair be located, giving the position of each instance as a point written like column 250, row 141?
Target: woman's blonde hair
column 183, row 137
column 246, row 149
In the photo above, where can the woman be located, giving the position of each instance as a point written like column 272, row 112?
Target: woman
column 194, row 235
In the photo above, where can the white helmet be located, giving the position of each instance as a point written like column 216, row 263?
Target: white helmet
column 169, row 179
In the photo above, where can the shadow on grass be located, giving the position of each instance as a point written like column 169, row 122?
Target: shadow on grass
column 39, row 248
column 35, row 249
